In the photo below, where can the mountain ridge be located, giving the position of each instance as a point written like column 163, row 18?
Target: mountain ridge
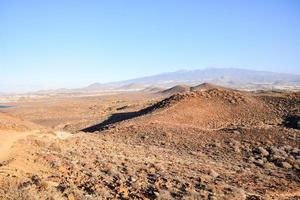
column 230, row 77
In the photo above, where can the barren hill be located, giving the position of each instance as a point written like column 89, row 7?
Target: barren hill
column 176, row 89
column 152, row 89
column 213, row 108
column 236, row 134
column 206, row 86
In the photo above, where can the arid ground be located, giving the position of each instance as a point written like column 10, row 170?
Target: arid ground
column 204, row 142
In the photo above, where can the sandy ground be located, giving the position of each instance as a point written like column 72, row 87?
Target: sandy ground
column 219, row 144
column 7, row 139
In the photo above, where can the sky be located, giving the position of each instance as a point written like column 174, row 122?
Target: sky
column 73, row 43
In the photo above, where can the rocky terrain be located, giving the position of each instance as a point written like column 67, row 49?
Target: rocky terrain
column 208, row 142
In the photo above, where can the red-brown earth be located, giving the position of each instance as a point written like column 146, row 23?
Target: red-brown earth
column 210, row 143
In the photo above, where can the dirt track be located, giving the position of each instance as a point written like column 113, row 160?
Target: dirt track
column 7, row 139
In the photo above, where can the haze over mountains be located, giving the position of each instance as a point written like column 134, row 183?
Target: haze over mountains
column 231, row 77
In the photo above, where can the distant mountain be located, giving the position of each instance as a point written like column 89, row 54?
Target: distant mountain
column 222, row 75
column 153, row 89
column 229, row 77
column 205, row 86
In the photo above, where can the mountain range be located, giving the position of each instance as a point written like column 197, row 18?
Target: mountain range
column 236, row 78
column 230, row 77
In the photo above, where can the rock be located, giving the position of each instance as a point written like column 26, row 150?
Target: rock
column 263, row 151
column 156, row 193
column 291, row 160
column 277, row 156
column 216, row 144
column 269, row 165
column 286, row 165
column 213, row 173
column 288, row 148
column 239, row 193
column 252, row 197
column 295, row 151
column 251, row 159
column 278, row 152
column 71, row 197
column 52, row 183
column 164, row 194
column 133, row 179
column 296, row 164
column 259, row 162
column 123, row 191
column 237, row 149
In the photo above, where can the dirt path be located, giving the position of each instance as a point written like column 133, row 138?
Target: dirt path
column 7, row 139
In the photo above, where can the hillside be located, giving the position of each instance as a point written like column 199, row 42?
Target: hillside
column 11, row 123
column 176, row 89
column 205, row 86
column 213, row 108
column 236, row 137
column 211, row 143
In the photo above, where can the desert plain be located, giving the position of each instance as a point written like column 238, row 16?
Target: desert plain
column 202, row 142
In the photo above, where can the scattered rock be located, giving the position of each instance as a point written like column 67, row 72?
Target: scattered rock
column 259, row 162
column 239, row 193
column 213, row 173
column 263, row 151
column 286, row 165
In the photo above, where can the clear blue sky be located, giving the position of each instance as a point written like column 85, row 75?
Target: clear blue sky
column 72, row 43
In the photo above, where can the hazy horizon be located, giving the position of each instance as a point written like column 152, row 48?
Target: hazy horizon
column 35, row 88
column 70, row 44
